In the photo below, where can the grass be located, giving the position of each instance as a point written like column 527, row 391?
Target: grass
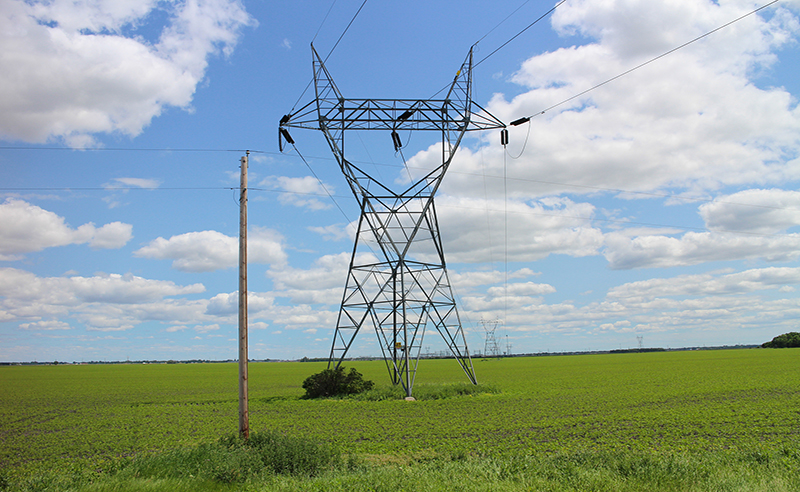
column 232, row 465
column 208, row 466
column 424, row 392
column 234, row 460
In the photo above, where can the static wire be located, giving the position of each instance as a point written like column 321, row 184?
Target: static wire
column 519, row 33
column 331, row 51
column 323, row 21
column 501, row 22
column 508, row 41
column 345, row 31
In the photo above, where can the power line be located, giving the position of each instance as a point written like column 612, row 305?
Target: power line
column 198, row 188
column 319, row 180
column 501, row 22
column 644, row 193
column 117, row 188
column 527, row 118
column 486, row 209
column 345, row 31
column 508, row 41
column 133, row 149
column 323, row 21
column 451, row 171
column 330, row 52
column 520, row 33
column 571, row 185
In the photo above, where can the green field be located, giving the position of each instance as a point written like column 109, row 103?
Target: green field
column 667, row 404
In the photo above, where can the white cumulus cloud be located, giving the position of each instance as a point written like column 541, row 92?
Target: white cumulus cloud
column 709, row 284
column 307, row 191
column 110, row 302
column 207, row 251
column 694, row 248
column 110, row 78
column 756, row 211
column 696, row 120
column 25, row 228
column 475, row 230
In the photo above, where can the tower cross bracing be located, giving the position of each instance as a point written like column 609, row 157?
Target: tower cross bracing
column 391, row 289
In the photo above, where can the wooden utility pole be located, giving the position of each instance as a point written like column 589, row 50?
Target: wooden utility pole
column 244, row 413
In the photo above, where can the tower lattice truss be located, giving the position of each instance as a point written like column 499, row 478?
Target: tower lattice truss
column 389, row 288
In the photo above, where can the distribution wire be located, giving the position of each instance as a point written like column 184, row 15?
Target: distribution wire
column 526, row 118
column 483, row 175
column 134, row 149
column 485, row 209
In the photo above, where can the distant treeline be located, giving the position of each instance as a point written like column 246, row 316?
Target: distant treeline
column 787, row 340
column 637, row 350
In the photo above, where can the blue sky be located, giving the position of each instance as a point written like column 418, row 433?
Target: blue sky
column 662, row 205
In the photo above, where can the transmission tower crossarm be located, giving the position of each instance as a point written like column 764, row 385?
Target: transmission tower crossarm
column 337, row 113
column 384, row 114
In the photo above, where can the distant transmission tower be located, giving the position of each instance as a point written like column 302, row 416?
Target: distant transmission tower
column 399, row 294
column 640, row 339
column 490, row 347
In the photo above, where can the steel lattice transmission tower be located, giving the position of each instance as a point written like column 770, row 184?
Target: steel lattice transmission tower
column 398, row 295
column 490, row 347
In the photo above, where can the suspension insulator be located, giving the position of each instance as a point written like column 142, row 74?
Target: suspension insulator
column 283, row 134
column 406, row 115
column 396, row 140
column 286, row 135
column 503, row 137
column 520, row 121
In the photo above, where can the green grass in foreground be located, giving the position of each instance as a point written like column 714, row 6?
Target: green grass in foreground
column 270, row 462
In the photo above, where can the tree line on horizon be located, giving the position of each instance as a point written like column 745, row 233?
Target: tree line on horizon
column 787, row 340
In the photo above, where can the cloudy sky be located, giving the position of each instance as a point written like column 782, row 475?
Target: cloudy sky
column 662, row 205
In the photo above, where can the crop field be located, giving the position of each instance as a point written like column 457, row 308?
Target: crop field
column 53, row 417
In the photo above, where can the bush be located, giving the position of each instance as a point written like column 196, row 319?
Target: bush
column 335, row 382
column 786, row 340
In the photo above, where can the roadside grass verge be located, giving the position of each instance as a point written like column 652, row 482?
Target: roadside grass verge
column 270, row 462
column 209, row 466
